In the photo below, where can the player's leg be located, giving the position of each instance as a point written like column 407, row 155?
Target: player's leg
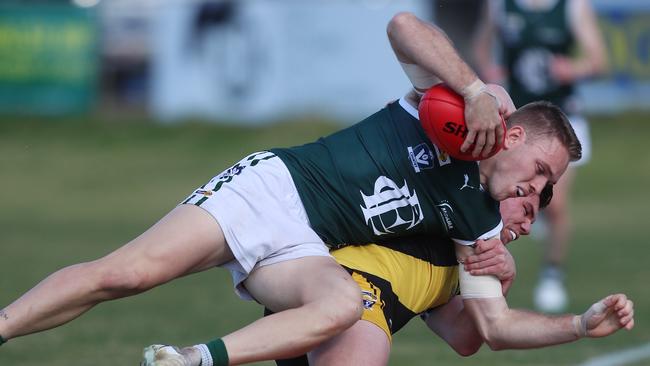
column 314, row 299
column 364, row 344
column 186, row 240
column 550, row 294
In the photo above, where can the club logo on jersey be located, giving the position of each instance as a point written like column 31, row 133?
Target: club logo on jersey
column 369, row 299
column 391, row 209
column 466, row 184
column 443, row 157
column 446, row 212
column 421, row 157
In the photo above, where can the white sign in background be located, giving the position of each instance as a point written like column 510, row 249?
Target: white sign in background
column 272, row 60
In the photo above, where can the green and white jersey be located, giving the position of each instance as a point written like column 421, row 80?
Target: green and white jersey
column 530, row 38
column 383, row 178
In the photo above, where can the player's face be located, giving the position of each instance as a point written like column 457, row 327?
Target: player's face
column 518, row 214
column 523, row 167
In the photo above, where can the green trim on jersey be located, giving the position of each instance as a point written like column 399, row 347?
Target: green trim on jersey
column 380, row 179
column 530, row 38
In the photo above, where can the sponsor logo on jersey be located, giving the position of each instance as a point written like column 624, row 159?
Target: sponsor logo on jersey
column 369, row 299
column 203, row 192
column 235, row 170
column 390, row 208
column 421, row 157
column 466, row 184
column 443, row 157
column 446, row 212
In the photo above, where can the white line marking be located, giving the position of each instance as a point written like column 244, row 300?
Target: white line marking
column 620, row 358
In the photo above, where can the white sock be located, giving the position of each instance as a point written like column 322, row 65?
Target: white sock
column 206, row 357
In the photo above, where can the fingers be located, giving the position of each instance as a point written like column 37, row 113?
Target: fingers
column 469, row 140
column 489, row 143
column 481, row 260
column 623, row 308
column 482, row 263
column 483, row 246
column 483, row 122
column 626, row 314
column 495, row 270
column 481, row 137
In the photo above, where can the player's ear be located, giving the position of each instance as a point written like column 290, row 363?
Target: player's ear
column 515, row 135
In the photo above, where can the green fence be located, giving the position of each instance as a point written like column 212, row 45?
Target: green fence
column 48, row 59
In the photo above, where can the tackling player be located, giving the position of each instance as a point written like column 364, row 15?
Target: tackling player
column 403, row 278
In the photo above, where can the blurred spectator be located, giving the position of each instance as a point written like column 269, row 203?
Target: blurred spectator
column 547, row 46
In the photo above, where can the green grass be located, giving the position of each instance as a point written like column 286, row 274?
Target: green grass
column 73, row 190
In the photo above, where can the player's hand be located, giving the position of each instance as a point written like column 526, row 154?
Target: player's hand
column 561, row 69
column 607, row 316
column 492, row 258
column 506, row 105
column 483, row 122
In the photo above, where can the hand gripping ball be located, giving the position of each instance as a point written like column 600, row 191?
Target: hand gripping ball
column 442, row 114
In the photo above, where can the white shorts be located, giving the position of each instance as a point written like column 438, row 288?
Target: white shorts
column 581, row 128
column 259, row 210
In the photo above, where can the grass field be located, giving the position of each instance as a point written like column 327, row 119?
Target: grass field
column 73, row 190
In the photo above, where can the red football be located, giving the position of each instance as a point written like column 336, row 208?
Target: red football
column 442, row 114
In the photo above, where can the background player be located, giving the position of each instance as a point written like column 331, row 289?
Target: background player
column 547, row 46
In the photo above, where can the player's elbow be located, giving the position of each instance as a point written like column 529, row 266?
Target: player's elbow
column 491, row 334
column 494, row 340
column 399, row 22
column 467, row 349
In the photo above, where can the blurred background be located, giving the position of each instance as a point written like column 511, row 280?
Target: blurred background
column 112, row 111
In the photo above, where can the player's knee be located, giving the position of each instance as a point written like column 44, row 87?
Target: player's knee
column 342, row 311
column 121, row 281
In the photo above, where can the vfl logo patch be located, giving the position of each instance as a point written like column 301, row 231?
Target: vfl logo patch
column 369, row 299
column 421, row 157
column 391, row 209
column 443, row 157
column 446, row 213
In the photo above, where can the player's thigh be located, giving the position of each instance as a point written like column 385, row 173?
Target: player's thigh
column 363, row 344
column 561, row 192
column 186, row 240
column 296, row 282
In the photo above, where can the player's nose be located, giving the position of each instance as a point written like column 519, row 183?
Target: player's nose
column 537, row 185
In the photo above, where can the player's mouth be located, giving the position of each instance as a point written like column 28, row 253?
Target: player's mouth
column 513, row 235
column 508, row 235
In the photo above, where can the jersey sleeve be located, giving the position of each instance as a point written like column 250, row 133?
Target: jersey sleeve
column 487, row 235
column 478, row 218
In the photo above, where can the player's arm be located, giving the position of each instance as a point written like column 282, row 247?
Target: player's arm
column 455, row 327
column 504, row 328
column 427, row 56
column 591, row 57
column 483, row 44
column 449, row 321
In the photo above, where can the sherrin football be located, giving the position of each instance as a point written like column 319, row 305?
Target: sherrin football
column 442, row 114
